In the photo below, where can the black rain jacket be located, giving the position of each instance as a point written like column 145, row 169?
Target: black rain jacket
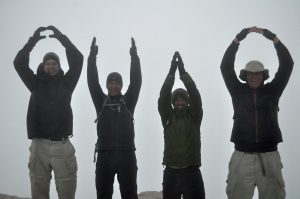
column 49, row 111
column 255, row 127
column 115, row 126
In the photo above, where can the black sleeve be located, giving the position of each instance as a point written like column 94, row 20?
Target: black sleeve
column 194, row 97
column 285, row 68
column 75, row 61
column 134, row 87
column 164, row 100
column 93, row 83
column 21, row 63
column 227, row 68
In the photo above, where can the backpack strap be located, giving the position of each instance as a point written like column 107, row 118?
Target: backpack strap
column 124, row 100
column 96, row 121
column 105, row 103
column 110, row 105
column 100, row 111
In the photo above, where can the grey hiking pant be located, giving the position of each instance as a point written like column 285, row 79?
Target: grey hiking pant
column 59, row 156
column 250, row 170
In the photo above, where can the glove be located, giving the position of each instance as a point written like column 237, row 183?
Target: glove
column 94, row 48
column 35, row 38
column 173, row 65
column 268, row 34
column 242, row 35
column 133, row 51
column 59, row 36
column 180, row 65
column 37, row 35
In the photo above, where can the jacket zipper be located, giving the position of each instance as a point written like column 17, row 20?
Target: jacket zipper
column 256, row 119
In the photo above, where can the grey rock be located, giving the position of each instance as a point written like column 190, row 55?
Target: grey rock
column 143, row 195
column 150, row 195
column 4, row 196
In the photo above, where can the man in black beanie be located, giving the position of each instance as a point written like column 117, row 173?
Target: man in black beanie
column 115, row 127
column 182, row 152
column 49, row 117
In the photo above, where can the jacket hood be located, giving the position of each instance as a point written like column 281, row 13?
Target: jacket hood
column 180, row 92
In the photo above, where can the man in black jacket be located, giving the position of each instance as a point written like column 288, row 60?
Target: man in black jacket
column 115, row 127
column 49, row 117
column 256, row 133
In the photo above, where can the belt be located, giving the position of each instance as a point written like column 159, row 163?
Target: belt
column 56, row 138
column 181, row 168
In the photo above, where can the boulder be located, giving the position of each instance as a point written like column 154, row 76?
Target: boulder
column 4, row 196
column 150, row 195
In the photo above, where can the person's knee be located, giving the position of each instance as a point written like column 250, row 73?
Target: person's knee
column 66, row 188
column 128, row 189
column 40, row 187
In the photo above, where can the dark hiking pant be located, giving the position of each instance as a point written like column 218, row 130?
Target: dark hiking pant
column 120, row 163
column 185, row 182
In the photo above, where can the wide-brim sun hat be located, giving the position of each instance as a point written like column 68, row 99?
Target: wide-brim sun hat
column 254, row 66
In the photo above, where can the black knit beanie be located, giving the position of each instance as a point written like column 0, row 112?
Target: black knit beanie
column 51, row 55
column 114, row 76
column 182, row 93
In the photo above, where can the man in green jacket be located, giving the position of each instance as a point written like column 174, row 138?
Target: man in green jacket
column 181, row 124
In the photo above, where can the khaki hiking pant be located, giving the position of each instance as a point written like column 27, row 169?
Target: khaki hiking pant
column 59, row 156
column 250, row 170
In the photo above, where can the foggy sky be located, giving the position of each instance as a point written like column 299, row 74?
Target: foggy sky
column 200, row 30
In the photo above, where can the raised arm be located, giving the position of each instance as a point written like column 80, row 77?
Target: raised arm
column 194, row 95
column 134, row 87
column 164, row 100
column 227, row 64
column 21, row 61
column 74, row 57
column 286, row 62
column 227, row 67
column 92, row 78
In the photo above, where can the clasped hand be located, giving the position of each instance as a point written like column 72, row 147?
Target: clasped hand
column 56, row 33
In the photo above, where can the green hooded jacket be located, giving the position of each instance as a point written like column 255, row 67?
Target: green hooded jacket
column 181, row 128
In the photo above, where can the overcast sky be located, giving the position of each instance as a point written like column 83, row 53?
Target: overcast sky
column 200, row 30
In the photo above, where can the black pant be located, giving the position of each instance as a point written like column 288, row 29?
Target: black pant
column 187, row 182
column 122, row 163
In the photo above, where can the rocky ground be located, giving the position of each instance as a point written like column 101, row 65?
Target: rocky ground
column 150, row 195
column 4, row 196
column 143, row 195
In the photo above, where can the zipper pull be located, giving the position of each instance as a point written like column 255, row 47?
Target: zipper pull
column 119, row 108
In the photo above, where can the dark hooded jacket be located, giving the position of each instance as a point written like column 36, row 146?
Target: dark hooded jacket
column 49, row 111
column 181, row 127
column 255, row 127
column 115, row 126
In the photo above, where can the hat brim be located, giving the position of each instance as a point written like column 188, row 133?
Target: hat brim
column 243, row 74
